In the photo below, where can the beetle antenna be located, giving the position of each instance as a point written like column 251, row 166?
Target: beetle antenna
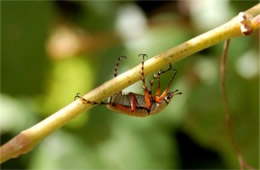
column 176, row 92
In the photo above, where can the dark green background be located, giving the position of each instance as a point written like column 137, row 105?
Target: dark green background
column 189, row 133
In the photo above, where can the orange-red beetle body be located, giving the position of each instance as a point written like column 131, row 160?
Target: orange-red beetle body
column 136, row 104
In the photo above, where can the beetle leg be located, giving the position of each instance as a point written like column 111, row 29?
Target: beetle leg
column 116, row 68
column 148, row 100
column 174, row 74
column 159, row 99
column 117, row 64
column 87, row 101
column 127, row 109
column 155, row 76
column 132, row 104
column 142, row 70
column 158, row 91
column 147, row 95
column 132, row 101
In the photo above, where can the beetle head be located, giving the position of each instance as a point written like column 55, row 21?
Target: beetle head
column 169, row 95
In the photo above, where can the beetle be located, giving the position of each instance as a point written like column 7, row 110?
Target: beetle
column 139, row 105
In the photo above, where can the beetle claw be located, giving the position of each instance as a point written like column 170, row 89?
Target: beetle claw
column 77, row 96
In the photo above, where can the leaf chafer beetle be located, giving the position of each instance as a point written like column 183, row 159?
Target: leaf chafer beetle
column 139, row 105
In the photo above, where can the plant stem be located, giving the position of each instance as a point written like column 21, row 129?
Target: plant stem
column 29, row 138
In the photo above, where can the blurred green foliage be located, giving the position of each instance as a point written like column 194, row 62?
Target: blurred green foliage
column 189, row 133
